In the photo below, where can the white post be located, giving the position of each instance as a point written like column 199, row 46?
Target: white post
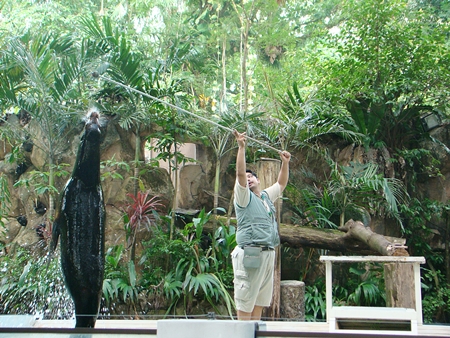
column 418, row 292
column 329, row 292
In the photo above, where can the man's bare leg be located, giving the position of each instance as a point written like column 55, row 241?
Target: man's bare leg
column 244, row 315
column 257, row 312
column 254, row 315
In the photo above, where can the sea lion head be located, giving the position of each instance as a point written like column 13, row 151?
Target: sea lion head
column 92, row 127
column 87, row 164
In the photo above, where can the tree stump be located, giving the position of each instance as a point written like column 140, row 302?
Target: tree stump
column 292, row 300
column 399, row 283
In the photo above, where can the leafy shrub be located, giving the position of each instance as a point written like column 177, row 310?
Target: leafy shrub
column 369, row 289
column 315, row 301
column 120, row 279
column 436, row 300
column 188, row 268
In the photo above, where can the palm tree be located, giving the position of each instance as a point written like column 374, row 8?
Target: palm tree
column 42, row 75
column 302, row 119
column 360, row 186
column 131, row 75
column 124, row 67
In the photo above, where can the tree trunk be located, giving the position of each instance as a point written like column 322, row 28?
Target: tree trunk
column 216, row 186
column 447, row 245
column 137, row 155
column 268, row 170
column 51, row 183
column 246, row 22
column 223, row 95
column 230, row 209
column 216, row 200
column 273, row 311
column 175, row 186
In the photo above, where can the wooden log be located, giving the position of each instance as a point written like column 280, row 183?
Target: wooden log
column 334, row 240
column 310, row 237
column 374, row 241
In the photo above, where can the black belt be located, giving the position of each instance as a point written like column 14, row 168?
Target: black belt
column 263, row 248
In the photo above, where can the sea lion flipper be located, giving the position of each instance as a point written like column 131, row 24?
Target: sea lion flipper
column 55, row 236
column 53, row 242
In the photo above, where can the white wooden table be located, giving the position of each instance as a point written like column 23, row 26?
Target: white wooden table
column 361, row 313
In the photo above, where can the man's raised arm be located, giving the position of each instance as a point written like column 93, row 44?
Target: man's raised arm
column 283, row 176
column 241, row 166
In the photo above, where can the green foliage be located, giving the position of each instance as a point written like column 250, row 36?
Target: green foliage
column 346, row 68
column 383, row 87
column 160, row 256
column 436, row 298
column 42, row 77
column 366, row 290
column 319, row 207
column 225, row 244
column 360, row 186
column 188, row 268
column 5, row 199
column 369, row 290
column 419, row 213
column 40, row 180
column 120, row 278
column 417, row 165
column 315, row 305
column 315, row 299
column 351, row 191
column 123, row 65
column 47, row 87
column 199, row 268
column 165, row 145
column 111, row 169
column 15, row 156
column 303, row 119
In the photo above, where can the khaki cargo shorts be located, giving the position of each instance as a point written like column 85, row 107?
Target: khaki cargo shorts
column 252, row 286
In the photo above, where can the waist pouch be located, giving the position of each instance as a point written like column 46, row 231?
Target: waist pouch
column 252, row 257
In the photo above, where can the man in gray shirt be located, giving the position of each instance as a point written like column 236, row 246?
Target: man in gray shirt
column 256, row 236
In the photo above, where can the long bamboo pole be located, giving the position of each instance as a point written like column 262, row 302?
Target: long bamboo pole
column 97, row 75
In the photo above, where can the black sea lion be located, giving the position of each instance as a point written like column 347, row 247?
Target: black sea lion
column 80, row 223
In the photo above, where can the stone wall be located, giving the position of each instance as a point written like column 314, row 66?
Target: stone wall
column 196, row 179
column 117, row 144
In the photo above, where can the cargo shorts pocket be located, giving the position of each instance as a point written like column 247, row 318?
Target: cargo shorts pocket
column 241, row 285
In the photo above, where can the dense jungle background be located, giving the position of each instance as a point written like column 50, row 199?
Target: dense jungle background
column 357, row 91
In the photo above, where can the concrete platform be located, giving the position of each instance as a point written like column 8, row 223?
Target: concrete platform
column 270, row 327
column 202, row 328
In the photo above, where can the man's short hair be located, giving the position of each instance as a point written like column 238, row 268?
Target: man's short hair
column 251, row 172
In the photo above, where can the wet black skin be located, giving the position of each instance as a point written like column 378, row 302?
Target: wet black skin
column 80, row 224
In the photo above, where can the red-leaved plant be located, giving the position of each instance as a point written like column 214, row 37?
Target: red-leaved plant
column 141, row 212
